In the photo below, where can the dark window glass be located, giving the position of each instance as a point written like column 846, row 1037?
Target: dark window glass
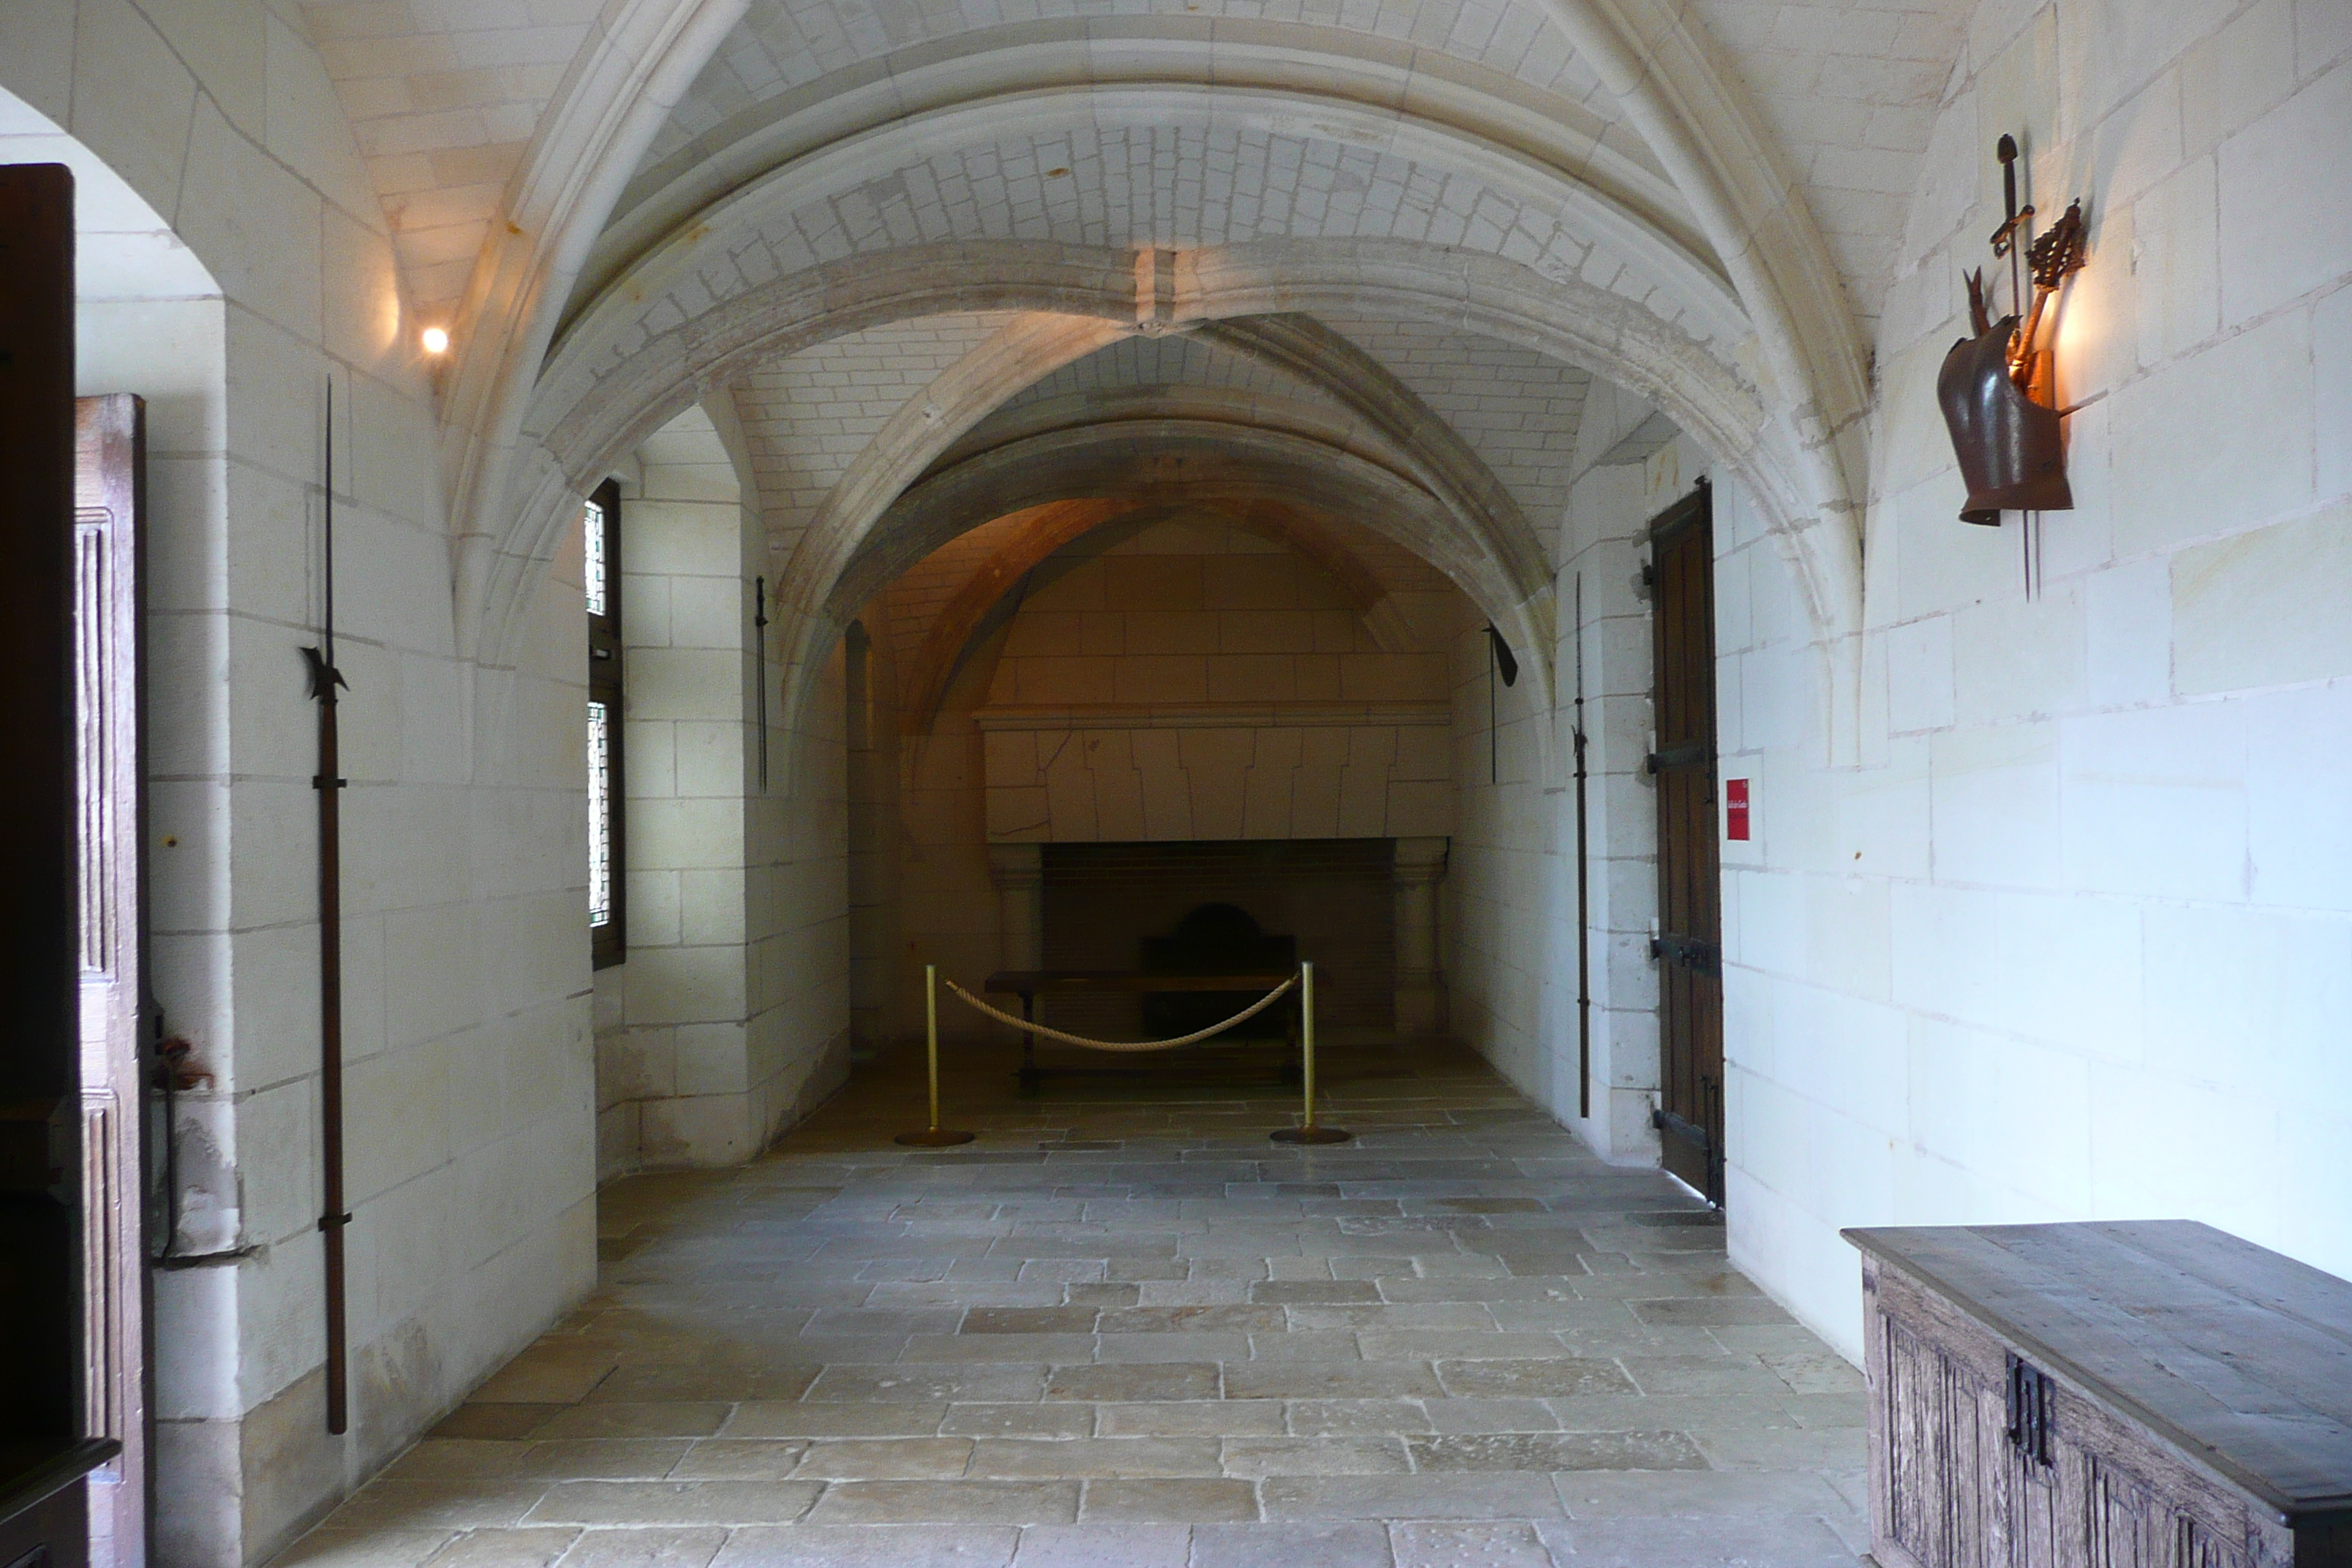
column 608, row 902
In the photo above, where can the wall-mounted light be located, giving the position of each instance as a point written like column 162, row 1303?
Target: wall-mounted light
column 1998, row 389
column 435, row 339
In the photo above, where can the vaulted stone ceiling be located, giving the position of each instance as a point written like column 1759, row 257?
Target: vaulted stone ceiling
column 807, row 419
column 888, row 229
column 444, row 97
column 447, row 97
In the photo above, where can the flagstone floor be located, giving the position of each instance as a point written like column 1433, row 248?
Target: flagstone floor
column 1122, row 1329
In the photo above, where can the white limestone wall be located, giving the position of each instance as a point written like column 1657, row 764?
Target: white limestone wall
column 799, row 911
column 1510, row 924
column 2075, row 939
column 469, row 1087
column 1197, row 681
column 715, row 1031
column 673, row 1017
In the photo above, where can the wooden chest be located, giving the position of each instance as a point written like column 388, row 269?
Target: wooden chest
column 2148, row 1395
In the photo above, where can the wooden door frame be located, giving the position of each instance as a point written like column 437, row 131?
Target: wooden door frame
column 110, row 526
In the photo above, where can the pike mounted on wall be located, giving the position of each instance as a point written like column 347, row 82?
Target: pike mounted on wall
column 325, row 681
column 1998, row 388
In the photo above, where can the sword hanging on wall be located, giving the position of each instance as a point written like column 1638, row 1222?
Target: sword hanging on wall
column 325, row 679
column 759, row 670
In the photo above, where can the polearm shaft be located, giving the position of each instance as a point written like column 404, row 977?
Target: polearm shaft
column 760, row 674
column 324, row 680
column 1583, row 891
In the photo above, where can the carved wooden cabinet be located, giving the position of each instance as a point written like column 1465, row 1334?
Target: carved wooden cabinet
column 2149, row 1395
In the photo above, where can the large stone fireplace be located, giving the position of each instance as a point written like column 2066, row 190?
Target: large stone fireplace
column 1362, row 910
column 1327, row 821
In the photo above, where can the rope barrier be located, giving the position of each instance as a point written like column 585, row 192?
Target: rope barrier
column 1252, row 1011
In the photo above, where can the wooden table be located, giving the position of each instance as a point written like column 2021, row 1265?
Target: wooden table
column 1029, row 983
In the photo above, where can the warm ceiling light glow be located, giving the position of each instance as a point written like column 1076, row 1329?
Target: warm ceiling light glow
column 437, row 340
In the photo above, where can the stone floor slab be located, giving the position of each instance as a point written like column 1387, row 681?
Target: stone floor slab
column 1104, row 1546
column 1283, row 1545
column 870, row 1546
column 1122, row 1329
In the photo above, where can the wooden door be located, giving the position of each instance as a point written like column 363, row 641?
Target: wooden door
column 1688, row 948
column 109, row 451
column 45, row 1450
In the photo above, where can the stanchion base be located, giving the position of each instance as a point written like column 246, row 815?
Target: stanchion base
column 933, row 1138
column 1309, row 1135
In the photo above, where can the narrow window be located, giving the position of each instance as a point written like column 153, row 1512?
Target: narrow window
column 608, row 902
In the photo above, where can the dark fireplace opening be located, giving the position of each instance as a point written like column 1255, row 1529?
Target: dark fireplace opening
column 1106, row 906
column 1216, row 939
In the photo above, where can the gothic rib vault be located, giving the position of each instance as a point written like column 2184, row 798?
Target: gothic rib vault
column 665, row 198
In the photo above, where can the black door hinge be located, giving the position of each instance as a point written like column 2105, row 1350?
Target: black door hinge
column 1703, row 957
column 2032, row 1395
column 1687, row 754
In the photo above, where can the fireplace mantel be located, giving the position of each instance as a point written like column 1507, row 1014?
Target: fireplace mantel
column 1173, row 771
column 1006, row 717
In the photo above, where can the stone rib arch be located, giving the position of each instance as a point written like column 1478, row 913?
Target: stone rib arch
column 1391, row 424
column 678, row 298
column 1483, row 538
column 1290, row 415
column 966, row 616
column 638, row 60
column 912, row 438
column 1484, row 542
column 1682, row 96
column 1167, row 463
column 788, row 316
column 1177, row 461
column 925, row 680
column 1389, row 178
column 1570, row 319
column 1579, row 323
column 1322, row 71
column 1443, row 460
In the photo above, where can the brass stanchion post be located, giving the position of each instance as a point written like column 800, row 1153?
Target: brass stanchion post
column 934, row 1136
column 1307, row 1131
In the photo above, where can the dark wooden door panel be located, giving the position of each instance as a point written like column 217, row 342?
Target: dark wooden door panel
column 43, row 1454
column 1689, row 948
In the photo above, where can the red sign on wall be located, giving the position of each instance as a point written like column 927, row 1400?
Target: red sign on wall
column 1735, row 808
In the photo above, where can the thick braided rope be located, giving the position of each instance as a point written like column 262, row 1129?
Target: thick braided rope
column 1252, row 1011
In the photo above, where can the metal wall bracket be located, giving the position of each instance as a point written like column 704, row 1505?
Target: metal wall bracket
column 2032, row 1395
column 1689, row 755
column 1705, row 957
